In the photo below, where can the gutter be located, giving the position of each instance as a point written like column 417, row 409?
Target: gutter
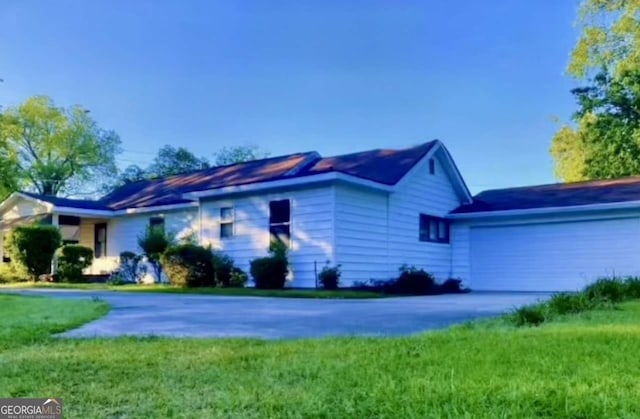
column 547, row 210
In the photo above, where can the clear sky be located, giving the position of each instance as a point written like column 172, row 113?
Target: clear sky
column 337, row 76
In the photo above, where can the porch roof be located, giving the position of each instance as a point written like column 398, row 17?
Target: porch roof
column 67, row 202
column 27, row 219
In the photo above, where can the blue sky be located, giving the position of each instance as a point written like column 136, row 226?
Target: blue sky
column 336, row 76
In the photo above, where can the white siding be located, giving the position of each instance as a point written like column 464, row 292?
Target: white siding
column 361, row 234
column 23, row 208
column 123, row 232
column 376, row 232
column 553, row 255
column 420, row 192
column 460, row 251
column 311, row 230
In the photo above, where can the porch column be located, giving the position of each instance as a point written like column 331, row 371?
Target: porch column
column 1, row 246
column 55, row 221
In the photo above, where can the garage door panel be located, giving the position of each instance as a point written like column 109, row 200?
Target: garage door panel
column 553, row 256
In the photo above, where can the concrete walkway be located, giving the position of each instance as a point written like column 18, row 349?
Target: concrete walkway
column 272, row 318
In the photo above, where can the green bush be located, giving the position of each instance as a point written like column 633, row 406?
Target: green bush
column 414, row 281
column 73, row 259
column 12, row 272
column 238, row 278
column 531, row 315
column 223, row 266
column 329, row 277
column 632, row 285
column 569, row 303
column 131, row 269
column 33, row 247
column 611, row 290
column 153, row 243
column 452, row 286
column 270, row 272
column 189, row 265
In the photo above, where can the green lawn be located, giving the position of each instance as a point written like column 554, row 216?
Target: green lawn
column 584, row 366
column 167, row 289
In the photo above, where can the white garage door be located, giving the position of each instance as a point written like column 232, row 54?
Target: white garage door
column 553, row 257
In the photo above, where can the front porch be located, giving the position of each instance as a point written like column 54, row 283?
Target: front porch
column 90, row 231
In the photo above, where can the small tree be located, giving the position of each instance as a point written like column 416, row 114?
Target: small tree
column 72, row 261
column 153, row 243
column 33, row 247
column 131, row 270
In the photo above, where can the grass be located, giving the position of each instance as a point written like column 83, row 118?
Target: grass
column 578, row 366
column 167, row 289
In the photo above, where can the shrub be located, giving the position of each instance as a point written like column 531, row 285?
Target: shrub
column 329, row 277
column 72, row 261
column 270, row 272
column 130, row 269
column 12, row 272
column 238, row 278
column 610, row 290
column 452, row 286
column 153, row 243
column 569, row 303
column 414, row 281
column 189, row 265
column 531, row 315
column 632, row 285
column 223, row 266
column 33, row 247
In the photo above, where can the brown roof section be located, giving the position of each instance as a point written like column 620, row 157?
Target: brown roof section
column 382, row 166
column 165, row 191
column 555, row 195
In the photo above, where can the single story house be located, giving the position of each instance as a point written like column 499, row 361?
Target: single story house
column 370, row 212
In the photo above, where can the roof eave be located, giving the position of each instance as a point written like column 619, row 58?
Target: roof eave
column 547, row 210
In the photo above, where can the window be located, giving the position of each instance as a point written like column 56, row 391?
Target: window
column 100, row 240
column 280, row 221
column 434, row 229
column 156, row 222
column 227, row 217
column 432, row 167
column 69, row 229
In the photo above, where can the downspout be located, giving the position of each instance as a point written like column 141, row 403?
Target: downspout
column 200, row 237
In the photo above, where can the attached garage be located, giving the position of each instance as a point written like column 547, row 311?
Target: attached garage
column 553, row 256
column 553, row 237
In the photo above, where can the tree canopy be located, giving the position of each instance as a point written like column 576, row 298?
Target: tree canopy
column 54, row 150
column 239, row 154
column 602, row 140
column 171, row 160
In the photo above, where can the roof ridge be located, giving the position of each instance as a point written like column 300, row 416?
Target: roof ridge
column 431, row 142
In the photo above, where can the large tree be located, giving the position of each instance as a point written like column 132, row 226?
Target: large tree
column 55, row 150
column 171, row 161
column 238, row 154
column 602, row 139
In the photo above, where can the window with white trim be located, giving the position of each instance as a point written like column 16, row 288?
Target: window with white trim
column 227, row 219
column 434, row 229
column 280, row 221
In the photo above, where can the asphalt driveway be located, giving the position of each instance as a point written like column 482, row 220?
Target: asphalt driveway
column 272, row 318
